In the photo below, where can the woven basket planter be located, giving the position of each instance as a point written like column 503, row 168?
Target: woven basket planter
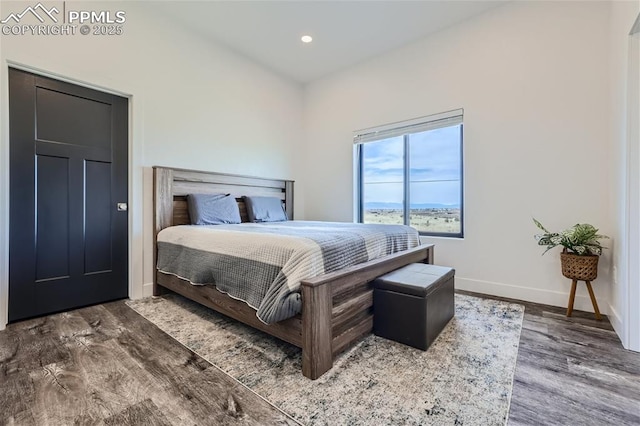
column 576, row 267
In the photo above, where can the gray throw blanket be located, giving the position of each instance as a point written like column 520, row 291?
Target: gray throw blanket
column 264, row 263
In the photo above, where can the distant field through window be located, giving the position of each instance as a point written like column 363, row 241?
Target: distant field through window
column 411, row 173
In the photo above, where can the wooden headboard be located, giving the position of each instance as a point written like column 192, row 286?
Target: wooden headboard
column 171, row 187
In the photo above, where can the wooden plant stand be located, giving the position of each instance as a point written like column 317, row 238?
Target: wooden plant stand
column 580, row 268
column 572, row 296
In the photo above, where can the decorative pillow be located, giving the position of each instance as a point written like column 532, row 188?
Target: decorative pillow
column 213, row 209
column 265, row 209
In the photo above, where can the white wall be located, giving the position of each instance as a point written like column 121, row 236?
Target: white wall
column 625, row 167
column 194, row 104
column 533, row 79
column 540, row 83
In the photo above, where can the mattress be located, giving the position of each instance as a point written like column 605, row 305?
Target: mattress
column 264, row 263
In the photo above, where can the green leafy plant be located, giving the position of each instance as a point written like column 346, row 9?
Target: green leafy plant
column 581, row 239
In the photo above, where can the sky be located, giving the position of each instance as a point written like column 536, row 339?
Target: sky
column 434, row 159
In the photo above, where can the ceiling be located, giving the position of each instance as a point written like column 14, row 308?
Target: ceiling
column 344, row 32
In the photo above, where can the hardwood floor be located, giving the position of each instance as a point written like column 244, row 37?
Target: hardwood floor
column 107, row 365
column 572, row 371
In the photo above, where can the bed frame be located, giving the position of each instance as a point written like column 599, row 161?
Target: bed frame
column 337, row 308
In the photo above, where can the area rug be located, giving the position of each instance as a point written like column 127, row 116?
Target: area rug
column 465, row 378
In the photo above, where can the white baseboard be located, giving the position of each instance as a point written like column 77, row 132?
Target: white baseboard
column 618, row 326
column 147, row 290
column 529, row 294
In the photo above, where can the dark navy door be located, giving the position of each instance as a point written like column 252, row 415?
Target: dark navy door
column 68, row 244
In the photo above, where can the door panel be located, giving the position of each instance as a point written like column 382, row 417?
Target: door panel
column 65, row 118
column 97, row 255
column 52, row 218
column 67, row 242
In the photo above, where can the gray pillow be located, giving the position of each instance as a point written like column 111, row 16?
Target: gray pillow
column 265, row 209
column 213, row 209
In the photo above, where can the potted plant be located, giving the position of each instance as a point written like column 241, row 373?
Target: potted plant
column 581, row 250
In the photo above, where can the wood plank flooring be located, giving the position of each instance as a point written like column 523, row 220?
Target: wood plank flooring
column 572, row 371
column 107, row 365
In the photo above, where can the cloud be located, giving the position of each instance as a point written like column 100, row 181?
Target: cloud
column 434, row 168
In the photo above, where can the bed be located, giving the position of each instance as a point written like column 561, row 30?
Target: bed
column 336, row 307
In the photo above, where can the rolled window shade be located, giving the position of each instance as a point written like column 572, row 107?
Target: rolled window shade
column 416, row 125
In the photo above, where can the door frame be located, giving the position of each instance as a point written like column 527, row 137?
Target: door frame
column 632, row 226
column 135, row 184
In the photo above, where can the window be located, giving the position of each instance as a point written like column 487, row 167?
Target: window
column 411, row 173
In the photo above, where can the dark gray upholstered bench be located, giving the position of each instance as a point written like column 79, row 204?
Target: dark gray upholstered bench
column 411, row 305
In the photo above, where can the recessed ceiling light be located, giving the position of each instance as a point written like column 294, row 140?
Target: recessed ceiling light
column 306, row 39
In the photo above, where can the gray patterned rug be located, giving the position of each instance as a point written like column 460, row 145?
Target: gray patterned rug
column 465, row 378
